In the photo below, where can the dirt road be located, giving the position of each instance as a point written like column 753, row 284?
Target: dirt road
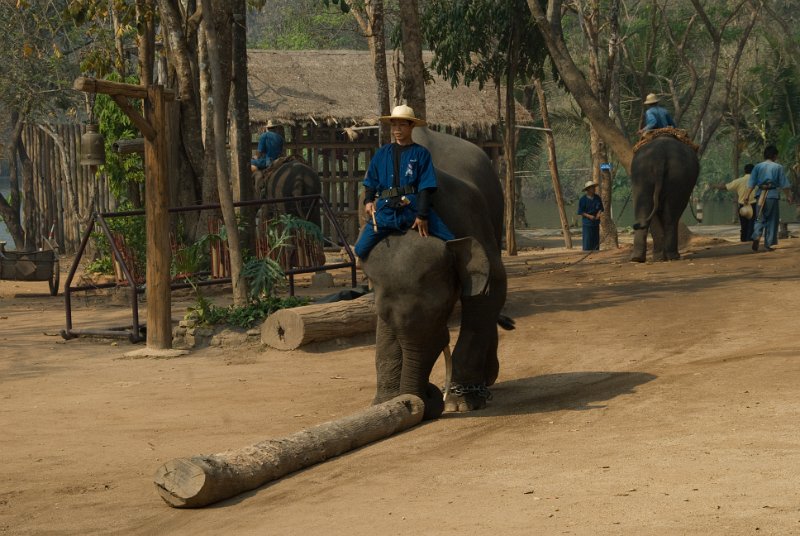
column 632, row 399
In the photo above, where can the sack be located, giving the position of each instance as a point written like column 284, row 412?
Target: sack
column 746, row 211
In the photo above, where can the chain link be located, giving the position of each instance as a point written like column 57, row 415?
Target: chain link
column 479, row 389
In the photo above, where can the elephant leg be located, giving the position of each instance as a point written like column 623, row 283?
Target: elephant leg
column 471, row 358
column 639, row 253
column 419, row 356
column 657, row 232
column 388, row 363
column 670, row 227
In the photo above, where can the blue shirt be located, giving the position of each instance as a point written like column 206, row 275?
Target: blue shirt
column 270, row 144
column 657, row 117
column 769, row 171
column 416, row 169
column 590, row 205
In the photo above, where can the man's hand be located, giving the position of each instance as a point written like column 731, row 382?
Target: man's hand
column 421, row 226
column 369, row 208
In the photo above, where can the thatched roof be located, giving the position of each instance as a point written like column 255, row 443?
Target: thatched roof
column 337, row 87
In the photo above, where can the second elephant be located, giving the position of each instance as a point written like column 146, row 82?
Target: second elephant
column 663, row 175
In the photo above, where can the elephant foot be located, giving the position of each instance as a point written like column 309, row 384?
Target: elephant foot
column 463, row 398
column 638, row 258
column 672, row 257
column 434, row 404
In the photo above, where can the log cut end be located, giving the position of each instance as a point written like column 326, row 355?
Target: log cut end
column 181, row 482
column 283, row 330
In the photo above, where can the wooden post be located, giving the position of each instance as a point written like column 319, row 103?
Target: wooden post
column 153, row 127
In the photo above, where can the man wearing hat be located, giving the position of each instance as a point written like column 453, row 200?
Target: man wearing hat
column 656, row 115
column 590, row 207
column 270, row 147
column 767, row 179
column 399, row 187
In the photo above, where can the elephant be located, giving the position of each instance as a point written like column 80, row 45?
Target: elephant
column 417, row 282
column 290, row 176
column 663, row 174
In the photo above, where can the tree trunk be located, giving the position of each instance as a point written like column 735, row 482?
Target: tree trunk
column 509, row 137
column 10, row 208
column 550, row 26
column 240, row 123
column 217, row 23
column 553, row 163
column 203, row 480
column 413, row 68
column 145, row 17
column 289, row 329
column 377, row 40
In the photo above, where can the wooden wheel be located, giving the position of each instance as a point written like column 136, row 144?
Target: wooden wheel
column 55, row 278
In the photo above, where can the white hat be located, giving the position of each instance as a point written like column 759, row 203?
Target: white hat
column 404, row 112
column 746, row 211
column 651, row 99
column 271, row 124
column 589, row 184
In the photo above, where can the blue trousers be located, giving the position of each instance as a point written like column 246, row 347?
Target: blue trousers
column 261, row 163
column 591, row 237
column 390, row 223
column 767, row 223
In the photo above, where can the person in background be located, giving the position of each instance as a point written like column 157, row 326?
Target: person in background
column 399, row 185
column 746, row 219
column 590, row 207
column 270, row 147
column 656, row 115
column 767, row 179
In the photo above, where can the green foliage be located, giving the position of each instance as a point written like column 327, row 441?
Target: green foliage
column 206, row 313
column 133, row 231
column 116, row 125
column 288, row 25
column 472, row 39
column 262, row 276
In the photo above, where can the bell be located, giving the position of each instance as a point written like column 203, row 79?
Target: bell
column 93, row 149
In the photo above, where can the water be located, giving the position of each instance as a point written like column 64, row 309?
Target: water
column 4, row 236
column 543, row 214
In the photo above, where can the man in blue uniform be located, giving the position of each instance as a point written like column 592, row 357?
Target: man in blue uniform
column 270, row 147
column 768, row 178
column 590, row 207
column 399, row 185
column 656, row 115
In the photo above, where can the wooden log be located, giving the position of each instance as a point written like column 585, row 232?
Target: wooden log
column 129, row 146
column 206, row 479
column 289, row 329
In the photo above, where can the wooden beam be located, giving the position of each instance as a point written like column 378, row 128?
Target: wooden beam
column 129, row 146
column 144, row 127
column 159, row 300
column 106, row 87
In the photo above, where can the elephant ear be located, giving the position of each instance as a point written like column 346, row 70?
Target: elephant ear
column 472, row 265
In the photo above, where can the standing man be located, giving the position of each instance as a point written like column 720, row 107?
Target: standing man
column 656, row 115
column 399, row 185
column 767, row 179
column 747, row 203
column 590, row 207
column 270, row 147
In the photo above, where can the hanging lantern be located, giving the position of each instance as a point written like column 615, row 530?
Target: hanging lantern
column 93, row 148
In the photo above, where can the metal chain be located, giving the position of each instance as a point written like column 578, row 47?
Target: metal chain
column 480, row 389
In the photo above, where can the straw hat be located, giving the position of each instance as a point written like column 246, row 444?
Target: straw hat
column 271, row 124
column 651, row 99
column 589, row 184
column 405, row 113
column 746, row 211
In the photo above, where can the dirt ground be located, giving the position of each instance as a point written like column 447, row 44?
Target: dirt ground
column 632, row 399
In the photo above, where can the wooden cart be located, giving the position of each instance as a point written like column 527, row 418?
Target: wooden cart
column 30, row 266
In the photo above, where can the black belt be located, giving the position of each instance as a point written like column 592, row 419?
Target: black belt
column 397, row 191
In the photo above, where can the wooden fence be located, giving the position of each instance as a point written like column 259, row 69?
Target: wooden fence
column 63, row 190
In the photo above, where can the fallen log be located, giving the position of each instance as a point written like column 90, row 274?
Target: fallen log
column 206, row 479
column 288, row 329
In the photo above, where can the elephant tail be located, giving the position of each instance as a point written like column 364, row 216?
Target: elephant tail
column 656, row 195
column 506, row 322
